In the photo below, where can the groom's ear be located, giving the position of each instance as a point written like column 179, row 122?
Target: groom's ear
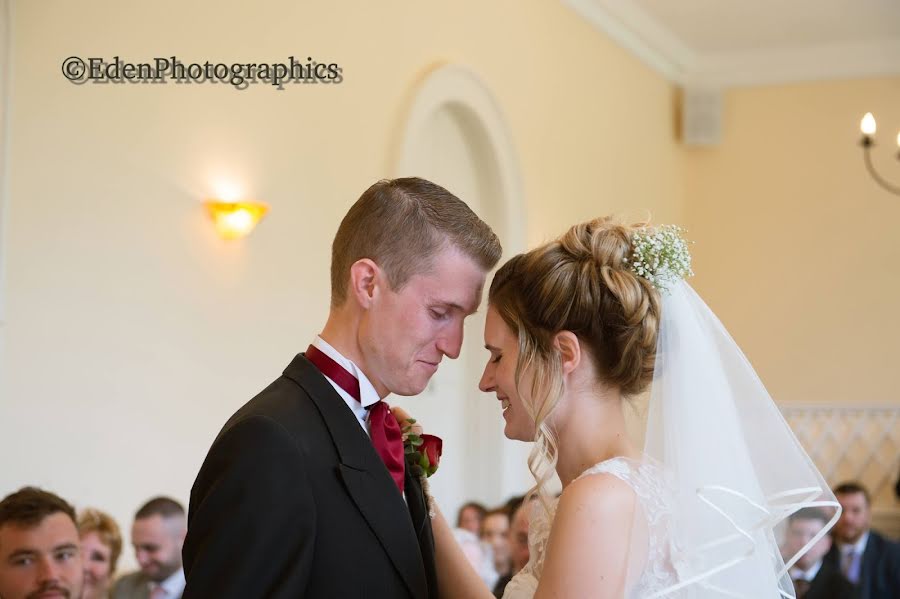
column 364, row 274
column 569, row 348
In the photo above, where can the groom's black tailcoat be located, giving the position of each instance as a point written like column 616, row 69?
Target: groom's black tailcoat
column 293, row 501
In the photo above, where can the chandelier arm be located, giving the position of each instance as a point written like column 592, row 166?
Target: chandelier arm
column 867, row 148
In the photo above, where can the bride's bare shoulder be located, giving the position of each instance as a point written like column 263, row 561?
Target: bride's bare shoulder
column 600, row 493
column 585, row 555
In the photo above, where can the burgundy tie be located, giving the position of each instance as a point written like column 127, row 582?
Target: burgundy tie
column 387, row 438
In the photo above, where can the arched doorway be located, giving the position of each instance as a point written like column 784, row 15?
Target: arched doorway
column 456, row 136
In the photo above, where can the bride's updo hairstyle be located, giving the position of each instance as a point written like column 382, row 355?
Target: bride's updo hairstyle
column 581, row 283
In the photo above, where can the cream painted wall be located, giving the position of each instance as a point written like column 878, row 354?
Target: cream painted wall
column 133, row 332
column 797, row 247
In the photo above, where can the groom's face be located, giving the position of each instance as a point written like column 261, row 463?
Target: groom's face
column 406, row 333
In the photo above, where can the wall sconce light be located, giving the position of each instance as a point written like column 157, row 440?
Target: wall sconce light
column 234, row 220
column 868, row 127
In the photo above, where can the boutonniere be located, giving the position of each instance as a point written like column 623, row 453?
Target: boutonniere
column 422, row 452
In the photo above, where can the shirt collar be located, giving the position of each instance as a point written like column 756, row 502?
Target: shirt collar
column 174, row 584
column 807, row 575
column 367, row 394
column 857, row 547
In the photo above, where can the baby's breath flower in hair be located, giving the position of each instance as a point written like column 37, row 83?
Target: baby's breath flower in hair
column 660, row 255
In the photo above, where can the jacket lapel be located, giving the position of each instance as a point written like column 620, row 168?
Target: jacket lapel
column 367, row 479
column 421, row 520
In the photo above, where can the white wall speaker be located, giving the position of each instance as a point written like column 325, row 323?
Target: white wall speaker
column 701, row 117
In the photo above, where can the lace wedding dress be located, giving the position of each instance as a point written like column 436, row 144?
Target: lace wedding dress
column 651, row 545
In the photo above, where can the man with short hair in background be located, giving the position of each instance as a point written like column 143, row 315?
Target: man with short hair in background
column 158, row 537
column 813, row 577
column 40, row 554
column 866, row 558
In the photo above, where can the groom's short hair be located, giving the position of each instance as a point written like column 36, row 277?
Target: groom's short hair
column 401, row 225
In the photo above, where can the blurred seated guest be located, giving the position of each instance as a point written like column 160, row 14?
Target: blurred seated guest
column 495, row 532
column 813, row 577
column 101, row 546
column 158, row 536
column 39, row 551
column 866, row 558
column 470, row 517
column 518, row 543
column 479, row 555
column 512, row 504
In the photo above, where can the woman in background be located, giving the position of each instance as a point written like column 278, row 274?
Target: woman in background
column 101, row 546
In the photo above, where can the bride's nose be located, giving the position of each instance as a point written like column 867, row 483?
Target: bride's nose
column 486, row 384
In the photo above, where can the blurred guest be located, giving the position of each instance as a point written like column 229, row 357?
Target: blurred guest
column 866, row 558
column 518, row 542
column 470, row 517
column 512, row 504
column 39, row 550
column 158, row 536
column 101, row 546
column 479, row 555
column 495, row 532
column 813, row 577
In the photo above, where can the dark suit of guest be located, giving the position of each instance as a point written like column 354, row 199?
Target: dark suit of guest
column 829, row 583
column 293, row 501
column 879, row 573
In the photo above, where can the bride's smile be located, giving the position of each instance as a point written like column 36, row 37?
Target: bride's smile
column 500, row 377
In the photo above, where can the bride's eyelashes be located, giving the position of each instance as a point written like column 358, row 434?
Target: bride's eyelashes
column 496, row 360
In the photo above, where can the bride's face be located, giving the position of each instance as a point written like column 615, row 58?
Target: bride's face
column 500, row 376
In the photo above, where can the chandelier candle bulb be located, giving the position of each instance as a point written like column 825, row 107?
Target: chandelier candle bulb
column 867, row 125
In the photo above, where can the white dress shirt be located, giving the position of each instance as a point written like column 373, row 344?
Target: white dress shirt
column 857, row 548
column 173, row 585
column 808, row 575
column 367, row 394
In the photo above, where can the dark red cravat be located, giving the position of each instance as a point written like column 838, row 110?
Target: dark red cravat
column 387, row 438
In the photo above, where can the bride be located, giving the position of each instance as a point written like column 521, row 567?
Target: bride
column 577, row 327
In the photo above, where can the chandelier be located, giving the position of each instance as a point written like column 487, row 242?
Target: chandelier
column 868, row 127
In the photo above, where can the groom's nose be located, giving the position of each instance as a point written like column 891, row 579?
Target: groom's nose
column 450, row 343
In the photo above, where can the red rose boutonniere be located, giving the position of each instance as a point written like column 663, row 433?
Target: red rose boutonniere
column 422, row 452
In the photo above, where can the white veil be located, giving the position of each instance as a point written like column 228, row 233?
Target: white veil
column 738, row 470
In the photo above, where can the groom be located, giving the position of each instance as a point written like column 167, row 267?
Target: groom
column 294, row 498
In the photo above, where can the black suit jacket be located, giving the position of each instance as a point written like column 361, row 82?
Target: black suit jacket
column 879, row 574
column 293, row 501
column 829, row 583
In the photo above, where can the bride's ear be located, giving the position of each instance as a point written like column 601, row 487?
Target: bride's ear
column 569, row 348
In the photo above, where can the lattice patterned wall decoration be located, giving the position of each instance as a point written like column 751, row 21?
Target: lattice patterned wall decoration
column 854, row 442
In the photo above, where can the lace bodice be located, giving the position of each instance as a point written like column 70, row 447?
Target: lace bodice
column 650, row 485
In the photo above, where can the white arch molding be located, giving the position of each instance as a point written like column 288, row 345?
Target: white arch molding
column 455, row 134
